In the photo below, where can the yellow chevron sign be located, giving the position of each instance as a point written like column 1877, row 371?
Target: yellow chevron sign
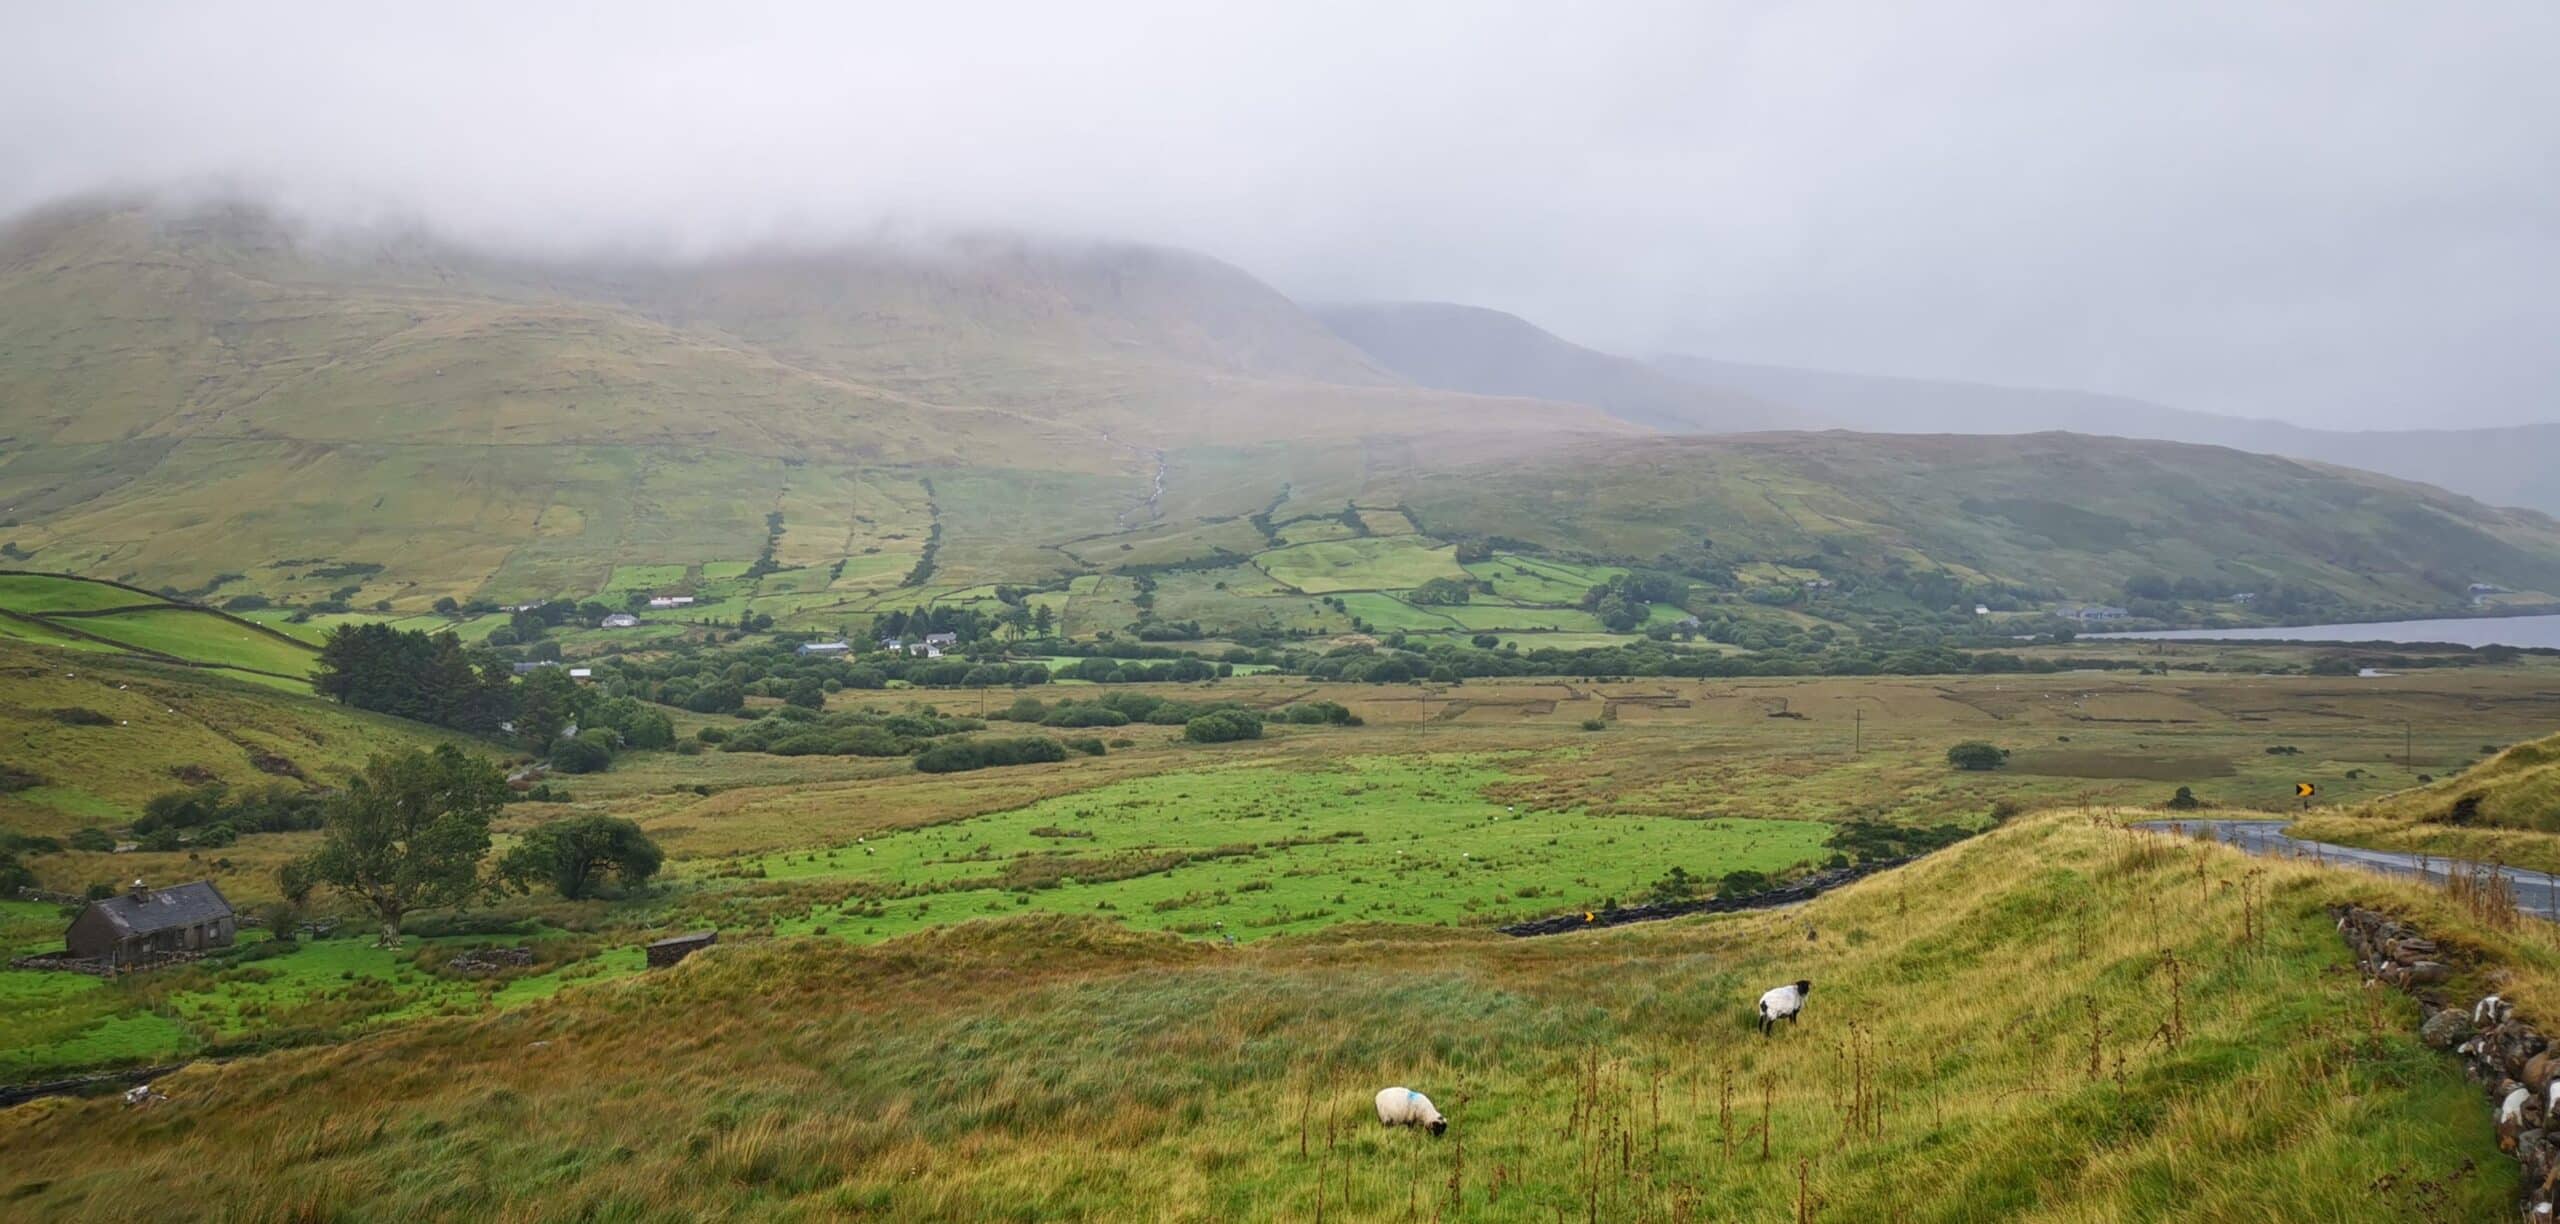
column 2304, row 790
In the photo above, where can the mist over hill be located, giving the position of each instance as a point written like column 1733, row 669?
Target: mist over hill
column 2505, row 466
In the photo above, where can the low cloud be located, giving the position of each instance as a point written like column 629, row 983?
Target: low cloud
column 2339, row 214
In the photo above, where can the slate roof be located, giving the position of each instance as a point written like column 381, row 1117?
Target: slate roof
column 162, row 909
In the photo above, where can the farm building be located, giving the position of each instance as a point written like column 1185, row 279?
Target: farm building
column 671, row 601
column 620, row 620
column 823, row 648
column 2088, row 613
column 148, row 922
column 530, row 667
column 942, row 639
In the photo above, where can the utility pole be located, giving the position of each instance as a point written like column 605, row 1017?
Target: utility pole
column 2408, row 745
column 1857, row 731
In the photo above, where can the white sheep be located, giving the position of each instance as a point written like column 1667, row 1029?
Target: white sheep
column 1783, row 1003
column 1405, row 1107
column 2491, row 1010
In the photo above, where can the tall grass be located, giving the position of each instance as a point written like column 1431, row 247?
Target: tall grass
column 2058, row 1021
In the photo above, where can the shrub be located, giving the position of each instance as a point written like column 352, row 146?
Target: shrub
column 1977, row 756
column 1085, row 716
column 958, row 756
column 1223, row 726
column 80, row 716
column 1594, row 724
column 1090, row 745
column 1313, row 713
column 92, row 839
column 2184, row 801
column 590, row 751
column 1743, row 883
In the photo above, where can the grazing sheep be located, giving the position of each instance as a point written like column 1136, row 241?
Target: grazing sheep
column 2491, row 1010
column 1405, row 1107
column 1783, row 1003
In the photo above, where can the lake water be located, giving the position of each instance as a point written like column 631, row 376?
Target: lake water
column 2463, row 631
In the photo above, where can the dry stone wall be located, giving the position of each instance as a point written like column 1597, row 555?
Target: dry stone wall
column 2509, row 1058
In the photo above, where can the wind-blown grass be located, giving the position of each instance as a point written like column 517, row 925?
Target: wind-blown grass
column 2057, row 1022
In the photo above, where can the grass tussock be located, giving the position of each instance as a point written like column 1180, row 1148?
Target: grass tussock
column 2061, row 1020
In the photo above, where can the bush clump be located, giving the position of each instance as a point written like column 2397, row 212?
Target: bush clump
column 1977, row 756
column 960, row 756
column 1223, row 726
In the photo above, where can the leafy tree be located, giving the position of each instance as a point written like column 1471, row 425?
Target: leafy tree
column 589, row 751
column 808, row 694
column 546, row 704
column 1043, row 621
column 573, row 856
column 1977, row 756
column 1442, row 591
column 406, row 833
column 2185, row 800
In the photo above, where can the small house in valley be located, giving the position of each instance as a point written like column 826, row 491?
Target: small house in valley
column 620, row 620
column 823, row 648
column 941, row 639
column 143, row 923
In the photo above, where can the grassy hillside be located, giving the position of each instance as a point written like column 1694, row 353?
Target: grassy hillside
column 2071, row 513
column 1998, row 1032
column 98, row 733
column 2505, row 809
column 193, row 393
column 2506, row 466
column 219, row 403
column 85, row 614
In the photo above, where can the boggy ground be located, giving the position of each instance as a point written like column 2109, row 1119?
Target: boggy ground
column 2061, row 1020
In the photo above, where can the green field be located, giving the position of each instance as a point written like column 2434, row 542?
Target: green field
column 39, row 593
column 1261, row 850
column 202, row 637
column 1373, row 564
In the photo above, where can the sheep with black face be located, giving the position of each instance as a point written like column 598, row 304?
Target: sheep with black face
column 1405, row 1107
column 1783, row 1003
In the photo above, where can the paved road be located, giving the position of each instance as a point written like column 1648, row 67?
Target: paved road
column 2536, row 893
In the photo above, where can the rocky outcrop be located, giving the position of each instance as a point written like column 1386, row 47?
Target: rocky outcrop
column 2514, row 1064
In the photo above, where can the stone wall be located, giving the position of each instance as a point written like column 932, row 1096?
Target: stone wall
column 2509, row 1058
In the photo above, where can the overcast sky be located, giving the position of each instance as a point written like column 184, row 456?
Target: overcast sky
column 2333, row 212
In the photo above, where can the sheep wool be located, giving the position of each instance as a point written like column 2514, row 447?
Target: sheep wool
column 1783, row 1003
column 1405, row 1107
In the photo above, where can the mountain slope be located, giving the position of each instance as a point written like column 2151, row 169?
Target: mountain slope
column 189, row 393
column 2069, row 514
column 1467, row 348
column 2507, row 466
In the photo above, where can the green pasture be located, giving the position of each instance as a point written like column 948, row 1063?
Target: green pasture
column 1261, row 850
column 201, row 637
column 1397, row 563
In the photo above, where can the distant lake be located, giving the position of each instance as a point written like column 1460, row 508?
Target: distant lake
column 2462, row 631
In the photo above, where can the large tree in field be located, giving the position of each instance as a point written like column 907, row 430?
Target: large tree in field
column 573, row 855
column 407, row 833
